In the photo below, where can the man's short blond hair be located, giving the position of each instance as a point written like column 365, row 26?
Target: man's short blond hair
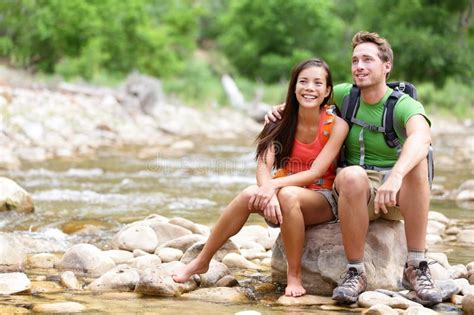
column 385, row 50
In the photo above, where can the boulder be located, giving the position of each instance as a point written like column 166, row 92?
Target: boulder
column 216, row 271
column 13, row 197
column 14, row 282
column 166, row 231
column 184, row 242
column 136, row 236
column 324, row 260
column 86, row 259
column 12, row 254
column 158, row 281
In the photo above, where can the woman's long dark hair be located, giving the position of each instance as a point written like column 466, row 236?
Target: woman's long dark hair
column 281, row 134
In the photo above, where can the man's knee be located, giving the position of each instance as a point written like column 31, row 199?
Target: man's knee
column 352, row 180
column 419, row 173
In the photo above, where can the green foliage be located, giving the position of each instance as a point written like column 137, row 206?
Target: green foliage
column 84, row 37
column 264, row 39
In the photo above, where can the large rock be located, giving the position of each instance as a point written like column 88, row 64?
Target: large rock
column 324, row 260
column 158, row 281
column 86, row 259
column 14, row 282
column 136, row 236
column 121, row 278
column 193, row 251
column 12, row 254
column 13, row 197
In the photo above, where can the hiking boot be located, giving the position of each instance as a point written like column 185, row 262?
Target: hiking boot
column 348, row 291
column 417, row 277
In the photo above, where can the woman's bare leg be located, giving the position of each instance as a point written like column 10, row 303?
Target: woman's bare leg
column 300, row 207
column 229, row 223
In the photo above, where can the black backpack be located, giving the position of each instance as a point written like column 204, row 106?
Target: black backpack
column 350, row 106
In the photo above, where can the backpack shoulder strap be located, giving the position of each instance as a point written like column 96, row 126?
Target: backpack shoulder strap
column 329, row 112
column 388, row 119
column 350, row 104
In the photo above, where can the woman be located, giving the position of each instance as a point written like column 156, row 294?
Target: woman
column 304, row 146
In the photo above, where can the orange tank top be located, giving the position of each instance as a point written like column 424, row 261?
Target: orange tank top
column 303, row 155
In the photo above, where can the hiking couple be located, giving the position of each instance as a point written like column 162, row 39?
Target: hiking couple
column 302, row 139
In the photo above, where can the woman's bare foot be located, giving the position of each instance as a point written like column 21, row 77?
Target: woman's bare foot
column 294, row 287
column 183, row 273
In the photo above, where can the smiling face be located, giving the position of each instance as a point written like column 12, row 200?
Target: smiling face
column 367, row 68
column 311, row 87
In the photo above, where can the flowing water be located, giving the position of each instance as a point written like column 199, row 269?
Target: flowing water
column 114, row 188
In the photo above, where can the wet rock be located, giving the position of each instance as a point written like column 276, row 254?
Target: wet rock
column 194, row 250
column 166, row 232
column 168, row 254
column 68, row 280
column 324, row 260
column 156, row 281
column 466, row 236
column 419, row 310
column 119, row 256
column 63, row 307
column 85, row 259
column 136, row 236
column 121, row 278
column 306, row 299
column 371, row 298
column 468, row 304
column 217, row 270
column 12, row 254
column 14, row 282
column 14, row 197
column 218, row 295
column 8, row 309
column 227, row 281
column 380, row 309
column 184, row 242
column 44, row 261
column 38, row 287
column 457, row 271
column 145, row 262
column 233, row 260
column 257, row 233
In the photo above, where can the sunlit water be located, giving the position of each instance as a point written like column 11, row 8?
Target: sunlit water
column 116, row 188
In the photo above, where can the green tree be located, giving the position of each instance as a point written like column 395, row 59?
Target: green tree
column 264, row 39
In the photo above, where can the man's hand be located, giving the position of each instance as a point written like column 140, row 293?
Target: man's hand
column 274, row 114
column 262, row 197
column 273, row 212
column 386, row 195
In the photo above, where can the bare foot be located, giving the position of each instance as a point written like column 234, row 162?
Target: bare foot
column 183, row 273
column 294, row 287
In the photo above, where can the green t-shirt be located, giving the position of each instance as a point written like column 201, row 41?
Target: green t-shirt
column 377, row 153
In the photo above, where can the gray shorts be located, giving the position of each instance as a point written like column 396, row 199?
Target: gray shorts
column 328, row 195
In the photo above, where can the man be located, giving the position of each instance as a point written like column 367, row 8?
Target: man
column 398, row 188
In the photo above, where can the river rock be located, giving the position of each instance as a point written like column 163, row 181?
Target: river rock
column 468, row 304
column 14, row 197
column 122, row 278
column 44, row 261
column 227, row 281
column 193, row 251
column 257, row 233
column 233, row 260
column 324, row 260
column 306, row 299
column 464, row 285
column 63, row 307
column 119, row 256
column 452, row 230
column 248, row 244
column 380, row 309
column 85, row 259
column 8, row 309
column 136, row 236
column 166, row 232
column 470, row 266
column 191, row 226
column 457, row 271
column 441, row 258
column 439, row 272
column 68, row 280
column 438, row 216
column 432, row 239
column 38, row 287
column 255, row 253
column 448, row 288
column 466, row 236
column 435, row 227
column 419, row 310
column 168, row 254
column 218, row 295
column 217, row 270
column 12, row 254
column 145, row 262
column 184, row 242
column 371, row 298
column 158, row 281
column 466, row 191
column 138, row 252
column 14, row 282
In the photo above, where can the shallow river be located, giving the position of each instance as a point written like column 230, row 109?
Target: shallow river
column 115, row 188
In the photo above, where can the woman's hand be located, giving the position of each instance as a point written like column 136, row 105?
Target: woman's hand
column 274, row 114
column 273, row 212
column 262, row 197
